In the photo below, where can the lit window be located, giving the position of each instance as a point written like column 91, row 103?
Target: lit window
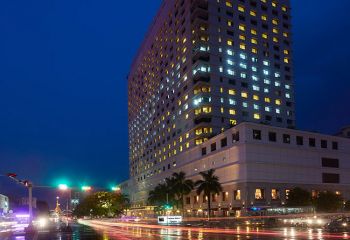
column 241, row 27
column 244, row 94
column 243, row 56
column 241, row 8
column 231, row 92
column 233, row 122
column 230, row 72
column 256, row 116
column 237, row 195
column 275, row 194
column 232, row 102
column 243, row 65
column 259, row 194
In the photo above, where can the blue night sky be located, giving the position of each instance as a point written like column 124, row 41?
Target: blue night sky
column 63, row 87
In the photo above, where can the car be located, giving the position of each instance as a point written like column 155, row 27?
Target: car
column 341, row 224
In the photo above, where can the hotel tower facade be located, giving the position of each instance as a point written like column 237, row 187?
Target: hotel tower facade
column 204, row 68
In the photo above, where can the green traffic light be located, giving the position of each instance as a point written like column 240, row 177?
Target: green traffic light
column 168, row 207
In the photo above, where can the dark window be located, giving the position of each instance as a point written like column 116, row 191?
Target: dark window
column 272, row 137
column 324, row 144
column 188, row 200
column 257, row 134
column 330, row 162
column 300, row 140
column 286, row 138
column 335, row 145
column 235, row 137
column 204, row 151
column 213, row 147
column 312, row 142
column 224, row 142
column 330, row 178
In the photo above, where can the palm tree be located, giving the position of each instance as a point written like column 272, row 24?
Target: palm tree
column 157, row 196
column 181, row 187
column 208, row 185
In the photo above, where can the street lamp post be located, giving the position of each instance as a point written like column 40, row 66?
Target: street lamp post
column 65, row 188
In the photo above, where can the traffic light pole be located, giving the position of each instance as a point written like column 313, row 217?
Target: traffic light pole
column 30, row 203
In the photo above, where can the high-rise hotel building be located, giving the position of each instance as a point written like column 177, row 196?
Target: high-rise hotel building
column 212, row 87
column 204, row 67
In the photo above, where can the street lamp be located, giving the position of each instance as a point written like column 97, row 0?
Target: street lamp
column 29, row 186
column 65, row 188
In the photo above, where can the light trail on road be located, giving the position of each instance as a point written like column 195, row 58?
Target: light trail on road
column 140, row 230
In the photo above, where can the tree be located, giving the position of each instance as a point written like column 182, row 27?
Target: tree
column 208, row 185
column 328, row 202
column 158, row 196
column 181, row 187
column 299, row 197
column 102, row 204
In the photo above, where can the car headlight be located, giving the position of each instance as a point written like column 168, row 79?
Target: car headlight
column 42, row 222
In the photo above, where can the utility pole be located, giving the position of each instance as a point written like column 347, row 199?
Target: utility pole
column 30, row 202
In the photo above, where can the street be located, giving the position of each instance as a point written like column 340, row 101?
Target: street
column 140, row 231
column 102, row 230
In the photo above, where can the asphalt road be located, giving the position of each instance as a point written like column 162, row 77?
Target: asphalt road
column 142, row 231
column 97, row 231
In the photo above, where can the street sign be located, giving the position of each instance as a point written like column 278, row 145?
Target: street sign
column 169, row 220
